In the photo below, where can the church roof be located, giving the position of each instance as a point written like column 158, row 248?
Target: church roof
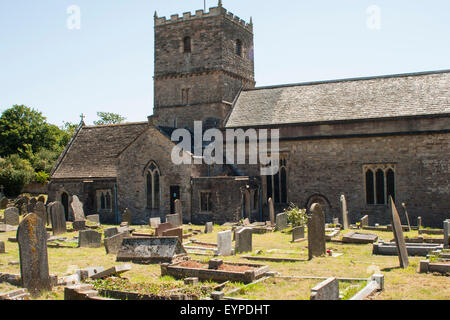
column 93, row 151
column 393, row 96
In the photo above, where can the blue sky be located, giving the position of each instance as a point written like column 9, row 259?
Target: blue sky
column 107, row 65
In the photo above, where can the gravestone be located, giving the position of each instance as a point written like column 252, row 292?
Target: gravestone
column 209, row 227
column 179, row 210
column 41, row 199
column 127, row 216
column 359, row 238
column 271, row 212
column 114, row 243
column 77, row 208
column 32, row 239
column 21, row 203
column 155, row 222
column 327, row 290
column 335, row 221
column 41, row 211
column 316, row 232
column 89, row 239
column 57, row 218
column 2, row 247
column 344, row 212
column 174, row 220
column 399, row 238
column 365, row 221
column 150, row 250
column 224, row 243
column 298, row 233
column 4, row 203
column 11, row 216
column 95, row 218
column 111, row 232
column 419, row 222
column 407, row 216
column 281, row 221
column 79, row 225
column 163, row 227
column 244, row 240
column 246, row 222
column 446, row 233
column 31, row 205
column 176, row 232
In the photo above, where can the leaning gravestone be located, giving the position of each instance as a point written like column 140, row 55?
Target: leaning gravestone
column 77, row 208
column 173, row 219
column 127, row 216
column 89, row 239
column 163, row 227
column 399, row 238
column 344, row 212
column 32, row 239
column 111, row 232
column 298, row 233
column 176, row 232
column 114, row 243
column 4, row 203
column 446, row 233
column 316, row 232
column 282, row 221
column 244, row 240
column 209, row 227
column 11, row 216
column 224, row 243
column 365, row 221
column 57, row 218
column 155, row 222
column 407, row 216
column 41, row 211
column 271, row 212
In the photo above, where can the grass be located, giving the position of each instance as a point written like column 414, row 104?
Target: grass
column 357, row 261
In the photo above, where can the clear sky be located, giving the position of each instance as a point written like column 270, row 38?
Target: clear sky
column 107, row 65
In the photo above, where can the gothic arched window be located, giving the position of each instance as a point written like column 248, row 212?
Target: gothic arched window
column 153, row 187
column 187, row 45
column 380, row 183
column 277, row 184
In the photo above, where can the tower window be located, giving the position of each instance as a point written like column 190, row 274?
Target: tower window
column 239, row 47
column 187, row 45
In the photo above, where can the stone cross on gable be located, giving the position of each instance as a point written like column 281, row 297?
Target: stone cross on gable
column 82, row 116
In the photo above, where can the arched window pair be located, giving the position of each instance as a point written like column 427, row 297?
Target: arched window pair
column 277, row 184
column 153, row 187
column 104, row 199
column 380, row 185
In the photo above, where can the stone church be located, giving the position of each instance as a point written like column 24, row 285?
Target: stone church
column 365, row 138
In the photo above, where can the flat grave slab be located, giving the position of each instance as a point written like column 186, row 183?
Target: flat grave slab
column 359, row 238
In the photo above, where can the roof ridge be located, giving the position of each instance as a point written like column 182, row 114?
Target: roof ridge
column 116, row 125
column 389, row 76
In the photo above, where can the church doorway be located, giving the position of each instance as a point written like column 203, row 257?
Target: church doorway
column 174, row 195
column 65, row 203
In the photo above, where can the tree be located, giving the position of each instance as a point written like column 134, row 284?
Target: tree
column 24, row 131
column 107, row 118
column 15, row 173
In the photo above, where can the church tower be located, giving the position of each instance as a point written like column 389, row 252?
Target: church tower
column 202, row 61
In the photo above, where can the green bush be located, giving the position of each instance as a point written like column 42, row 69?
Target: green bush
column 15, row 173
column 297, row 216
column 41, row 177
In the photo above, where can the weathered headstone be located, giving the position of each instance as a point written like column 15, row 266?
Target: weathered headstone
column 77, row 208
column 365, row 221
column 399, row 238
column 127, row 216
column 407, row 216
column 271, row 211
column 95, row 218
column 344, row 212
column 209, row 227
column 281, row 221
column 114, row 243
column 179, row 210
column 224, row 243
column 326, row 290
column 173, row 219
column 4, row 203
column 335, row 221
column 163, row 227
column 298, row 233
column 41, row 199
column 446, row 233
column 359, row 238
column 176, row 232
column 11, row 216
column 32, row 239
column 316, row 232
column 41, row 211
column 89, row 239
column 21, row 203
column 244, row 240
column 79, row 225
column 31, row 205
column 155, row 222
column 419, row 222
column 2, row 247
column 111, row 232
column 57, row 218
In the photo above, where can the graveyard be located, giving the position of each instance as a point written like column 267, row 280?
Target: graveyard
column 150, row 262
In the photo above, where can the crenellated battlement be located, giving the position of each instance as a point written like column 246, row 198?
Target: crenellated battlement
column 200, row 14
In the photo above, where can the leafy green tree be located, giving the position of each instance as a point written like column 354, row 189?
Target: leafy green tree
column 15, row 173
column 107, row 118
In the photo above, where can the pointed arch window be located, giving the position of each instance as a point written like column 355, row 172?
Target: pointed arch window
column 379, row 183
column 153, row 187
column 277, row 184
column 104, row 200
